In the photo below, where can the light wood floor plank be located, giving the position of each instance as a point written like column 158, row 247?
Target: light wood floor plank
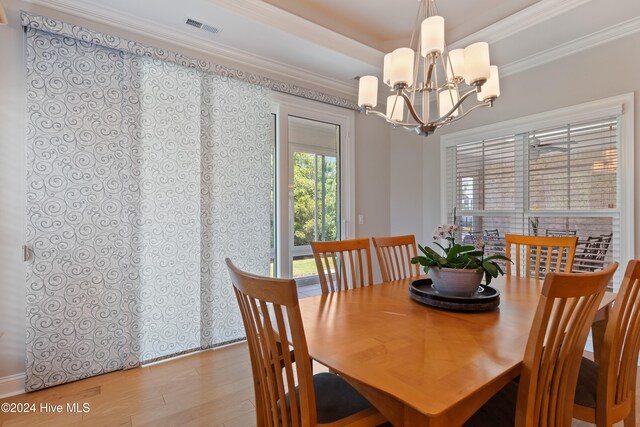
column 212, row 388
column 244, row 420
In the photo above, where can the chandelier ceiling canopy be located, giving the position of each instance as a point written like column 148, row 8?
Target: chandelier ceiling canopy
column 428, row 71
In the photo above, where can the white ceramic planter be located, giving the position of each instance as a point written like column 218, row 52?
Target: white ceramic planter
column 455, row 282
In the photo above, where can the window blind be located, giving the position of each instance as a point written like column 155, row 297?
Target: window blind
column 551, row 181
column 486, row 175
column 573, row 167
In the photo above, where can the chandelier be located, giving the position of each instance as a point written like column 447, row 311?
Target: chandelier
column 448, row 78
column 3, row 15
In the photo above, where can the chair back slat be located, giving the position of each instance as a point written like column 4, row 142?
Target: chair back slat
column 566, row 308
column 554, row 253
column 272, row 320
column 619, row 361
column 331, row 268
column 342, row 277
column 263, row 410
column 394, row 257
column 351, row 264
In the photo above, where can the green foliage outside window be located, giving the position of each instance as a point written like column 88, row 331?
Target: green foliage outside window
column 315, row 198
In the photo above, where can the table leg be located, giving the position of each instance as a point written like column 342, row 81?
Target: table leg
column 385, row 404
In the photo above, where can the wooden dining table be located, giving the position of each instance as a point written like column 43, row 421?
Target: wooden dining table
column 418, row 365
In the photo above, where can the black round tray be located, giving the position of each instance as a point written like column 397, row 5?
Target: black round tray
column 422, row 291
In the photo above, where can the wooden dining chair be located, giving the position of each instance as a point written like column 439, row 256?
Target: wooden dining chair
column 606, row 391
column 545, row 392
column 552, row 253
column 343, row 264
column 394, row 256
column 268, row 305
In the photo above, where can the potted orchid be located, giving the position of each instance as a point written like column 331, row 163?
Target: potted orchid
column 458, row 269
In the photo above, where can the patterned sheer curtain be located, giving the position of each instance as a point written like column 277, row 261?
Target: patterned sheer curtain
column 143, row 175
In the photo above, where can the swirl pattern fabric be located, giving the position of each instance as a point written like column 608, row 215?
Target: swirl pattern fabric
column 62, row 28
column 142, row 176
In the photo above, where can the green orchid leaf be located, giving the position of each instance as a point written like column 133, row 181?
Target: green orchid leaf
column 502, row 257
column 422, row 250
column 491, row 268
column 431, row 253
column 457, row 249
column 420, row 260
column 446, row 251
column 487, row 277
column 474, row 253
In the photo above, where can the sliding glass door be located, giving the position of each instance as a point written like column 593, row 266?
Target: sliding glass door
column 312, row 189
column 314, row 196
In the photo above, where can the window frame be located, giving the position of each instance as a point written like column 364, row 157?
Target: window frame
column 288, row 105
column 621, row 107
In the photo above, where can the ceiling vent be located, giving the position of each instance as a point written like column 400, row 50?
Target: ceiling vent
column 205, row 27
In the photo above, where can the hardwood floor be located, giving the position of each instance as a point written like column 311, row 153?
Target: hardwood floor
column 211, row 388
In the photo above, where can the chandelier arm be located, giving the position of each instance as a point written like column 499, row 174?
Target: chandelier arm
column 446, row 85
column 393, row 122
column 445, row 121
column 445, row 61
column 416, row 67
column 427, row 81
column 412, row 110
column 379, row 114
column 456, row 105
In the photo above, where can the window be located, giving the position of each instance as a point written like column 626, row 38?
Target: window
column 541, row 176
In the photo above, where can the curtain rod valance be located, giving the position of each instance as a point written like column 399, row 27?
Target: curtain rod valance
column 65, row 29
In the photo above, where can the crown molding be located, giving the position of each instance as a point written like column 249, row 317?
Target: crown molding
column 526, row 18
column 272, row 16
column 569, row 48
column 144, row 27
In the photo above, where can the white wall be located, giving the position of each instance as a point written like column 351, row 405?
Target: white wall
column 372, row 180
column 430, row 188
column 605, row 71
column 13, row 197
column 371, row 176
column 405, row 154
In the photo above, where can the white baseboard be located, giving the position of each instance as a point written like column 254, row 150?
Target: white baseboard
column 12, row 385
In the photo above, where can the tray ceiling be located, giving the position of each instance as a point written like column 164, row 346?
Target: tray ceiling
column 326, row 43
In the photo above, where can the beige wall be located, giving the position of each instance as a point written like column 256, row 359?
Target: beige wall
column 371, row 176
column 602, row 72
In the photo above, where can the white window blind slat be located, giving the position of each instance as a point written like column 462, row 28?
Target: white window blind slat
column 554, row 181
